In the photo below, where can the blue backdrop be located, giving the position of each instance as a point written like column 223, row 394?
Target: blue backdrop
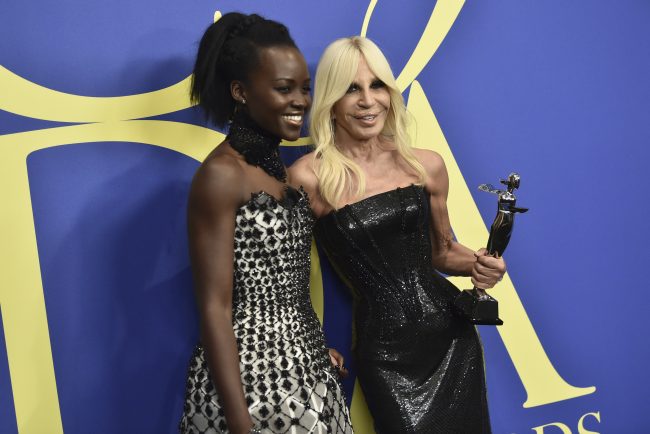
column 556, row 90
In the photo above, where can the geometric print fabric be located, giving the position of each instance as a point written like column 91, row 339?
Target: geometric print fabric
column 289, row 383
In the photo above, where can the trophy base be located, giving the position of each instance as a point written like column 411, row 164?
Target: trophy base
column 483, row 311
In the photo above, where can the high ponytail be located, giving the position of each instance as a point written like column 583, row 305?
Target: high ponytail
column 229, row 51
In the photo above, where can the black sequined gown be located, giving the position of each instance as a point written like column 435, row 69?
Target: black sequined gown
column 420, row 367
column 288, row 381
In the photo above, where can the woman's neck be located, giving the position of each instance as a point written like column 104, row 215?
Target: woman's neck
column 258, row 147
column 363, row 150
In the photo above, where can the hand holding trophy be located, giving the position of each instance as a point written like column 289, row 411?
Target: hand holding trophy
column 475, row 304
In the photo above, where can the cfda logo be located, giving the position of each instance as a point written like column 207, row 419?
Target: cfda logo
column 115, row 119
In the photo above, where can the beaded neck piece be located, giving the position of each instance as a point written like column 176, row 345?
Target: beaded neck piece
column 258, row 147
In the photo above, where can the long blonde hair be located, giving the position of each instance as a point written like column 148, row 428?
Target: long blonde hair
column 336, row 70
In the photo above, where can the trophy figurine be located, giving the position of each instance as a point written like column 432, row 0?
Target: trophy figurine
column 475, row 304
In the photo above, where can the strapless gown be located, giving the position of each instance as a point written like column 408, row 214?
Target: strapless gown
column 289, row 383
column 419, row 365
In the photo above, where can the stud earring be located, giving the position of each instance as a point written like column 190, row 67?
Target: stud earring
column 243, row 101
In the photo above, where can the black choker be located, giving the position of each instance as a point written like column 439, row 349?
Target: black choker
column 258, row 147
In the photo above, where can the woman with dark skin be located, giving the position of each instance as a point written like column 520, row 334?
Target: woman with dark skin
column 383, row 223
column 262, row 365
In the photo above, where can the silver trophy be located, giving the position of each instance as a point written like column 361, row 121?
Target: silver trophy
column 475, row 304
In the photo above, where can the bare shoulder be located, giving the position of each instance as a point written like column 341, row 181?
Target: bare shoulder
column 431, row 160
column 437, row 181
column 301, row 173
column 218, row 179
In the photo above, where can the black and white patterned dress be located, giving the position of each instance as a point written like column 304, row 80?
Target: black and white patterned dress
column 288, row 381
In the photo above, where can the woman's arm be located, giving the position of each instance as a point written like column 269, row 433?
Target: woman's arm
column 301, row 174
column 214, row 198
column 448, row 255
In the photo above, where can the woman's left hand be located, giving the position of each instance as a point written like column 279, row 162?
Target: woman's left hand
column 488, row 270
column 336, row 359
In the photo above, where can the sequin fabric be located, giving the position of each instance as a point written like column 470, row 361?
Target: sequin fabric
column 420, row 367
column 289, row 383
column 258, row 147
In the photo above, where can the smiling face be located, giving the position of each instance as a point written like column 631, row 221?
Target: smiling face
column 361, row 113
column 277, row 92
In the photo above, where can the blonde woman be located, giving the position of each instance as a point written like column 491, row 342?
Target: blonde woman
column 383, row 222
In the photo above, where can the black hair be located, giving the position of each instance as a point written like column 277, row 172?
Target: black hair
column 229, row 51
